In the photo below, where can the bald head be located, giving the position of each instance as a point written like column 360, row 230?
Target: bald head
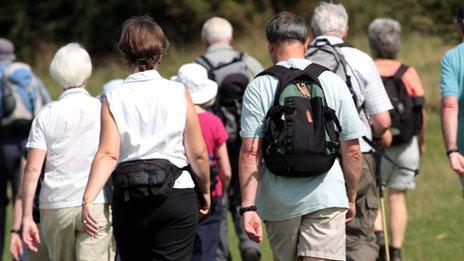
column 216, row 30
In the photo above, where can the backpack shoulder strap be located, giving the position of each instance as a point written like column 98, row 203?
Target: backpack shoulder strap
column 277, row 71
column 314, row 70
column 202, row 60
column 401, row 71
column 344, row 44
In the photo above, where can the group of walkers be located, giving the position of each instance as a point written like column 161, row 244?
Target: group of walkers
column 150, row 169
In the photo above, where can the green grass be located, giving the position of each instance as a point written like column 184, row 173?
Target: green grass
column 436, row 206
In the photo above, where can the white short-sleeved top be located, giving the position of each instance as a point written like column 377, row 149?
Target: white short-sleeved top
column 68, row 130
column 367, row 84
column 150, row 112
column 281, row 198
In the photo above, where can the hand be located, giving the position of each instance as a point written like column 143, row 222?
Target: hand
column 204, row 210
column 16, row 246
column 31, row 235
column 457, row 162
column 351, row 211
column 252, row 225
column 89, row 222
column 422, row 148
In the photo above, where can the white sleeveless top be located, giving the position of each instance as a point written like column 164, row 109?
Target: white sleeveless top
column 150, row 113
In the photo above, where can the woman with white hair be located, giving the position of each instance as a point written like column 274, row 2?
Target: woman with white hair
column 385, row 43
column 67, row 133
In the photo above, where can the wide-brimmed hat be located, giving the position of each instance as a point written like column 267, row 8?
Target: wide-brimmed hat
column 195, row 78
column 7, row 50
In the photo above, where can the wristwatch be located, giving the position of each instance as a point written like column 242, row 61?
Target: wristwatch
column 15, row 231
column 448, row 152
column 246, row 209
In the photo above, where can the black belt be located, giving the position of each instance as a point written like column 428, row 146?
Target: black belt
column 139, row 179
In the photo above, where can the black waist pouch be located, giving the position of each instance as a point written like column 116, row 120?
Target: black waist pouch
column 145, row 179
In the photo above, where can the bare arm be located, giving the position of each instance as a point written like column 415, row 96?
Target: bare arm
column 249, row 169
column 423, row 132
column 352, row 166
column 249, row 173
column 18, row 206
column 34, row 165
column 380, row 123
column 107, row 155
column 103, row 164
column 224, row 169
column 196, row 151
column 449, row 125
column 16, row 243
column 449, row 121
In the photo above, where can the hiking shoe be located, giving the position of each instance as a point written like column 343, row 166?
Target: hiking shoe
column 395, row 254
column 381, row 243
column 251, row 255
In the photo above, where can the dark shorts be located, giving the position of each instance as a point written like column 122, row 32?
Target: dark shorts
column 147, row 229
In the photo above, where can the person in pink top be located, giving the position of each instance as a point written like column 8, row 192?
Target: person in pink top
column 203, row 92
column 385, row 43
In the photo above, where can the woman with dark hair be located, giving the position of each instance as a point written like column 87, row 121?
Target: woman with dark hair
column 149, row 134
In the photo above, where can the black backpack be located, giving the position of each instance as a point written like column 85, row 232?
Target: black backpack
column 406, row 115
column 232, row 79
column 301, row 136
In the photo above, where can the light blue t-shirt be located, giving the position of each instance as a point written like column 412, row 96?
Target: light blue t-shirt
column 281, row 198
column 452, row 84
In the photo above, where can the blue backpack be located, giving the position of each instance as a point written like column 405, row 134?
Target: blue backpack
column 22, row 97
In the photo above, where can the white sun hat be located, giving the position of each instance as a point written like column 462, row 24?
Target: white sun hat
column 195, row 78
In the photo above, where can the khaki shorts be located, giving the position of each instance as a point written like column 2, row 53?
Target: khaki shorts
column 406, row 155
column 66, row 239
column 320, row 234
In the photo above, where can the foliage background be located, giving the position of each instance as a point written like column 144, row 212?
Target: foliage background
column 97, row 24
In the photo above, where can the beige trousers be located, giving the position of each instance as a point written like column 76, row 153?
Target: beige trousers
column 66, row 239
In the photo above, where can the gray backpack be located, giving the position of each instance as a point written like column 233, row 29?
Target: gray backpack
column 232, row 79
column 331, row 57
column 22, row 98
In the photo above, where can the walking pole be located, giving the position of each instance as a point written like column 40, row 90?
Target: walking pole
column 378, row 159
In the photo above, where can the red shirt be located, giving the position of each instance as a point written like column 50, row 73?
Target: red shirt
column 214, row 134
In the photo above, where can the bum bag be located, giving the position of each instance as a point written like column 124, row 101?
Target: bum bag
column 145, row 179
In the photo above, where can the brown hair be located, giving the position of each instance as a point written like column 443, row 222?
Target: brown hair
column 142, row 43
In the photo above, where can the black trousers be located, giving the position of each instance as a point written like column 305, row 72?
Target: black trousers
column 147, row 229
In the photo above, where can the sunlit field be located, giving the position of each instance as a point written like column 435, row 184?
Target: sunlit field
column 436, row 206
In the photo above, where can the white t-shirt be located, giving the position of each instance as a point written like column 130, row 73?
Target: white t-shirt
column 68, row 130
column 150, row 113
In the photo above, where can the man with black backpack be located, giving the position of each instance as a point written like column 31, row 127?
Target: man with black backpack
column 232, row 70
column 357, row 69
column 22, row 96
column 299, row 118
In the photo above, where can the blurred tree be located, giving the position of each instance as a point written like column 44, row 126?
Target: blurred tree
column 97, row 24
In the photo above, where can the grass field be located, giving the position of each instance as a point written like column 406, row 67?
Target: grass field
column 436, row 207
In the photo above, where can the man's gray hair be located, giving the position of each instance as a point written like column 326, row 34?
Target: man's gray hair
column 286, row 27
column 216, row 29
column 329, row 19
column 71, row 66
column 384, row 38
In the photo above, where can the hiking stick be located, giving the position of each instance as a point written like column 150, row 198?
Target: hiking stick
column 378, row 161
column 384, row 224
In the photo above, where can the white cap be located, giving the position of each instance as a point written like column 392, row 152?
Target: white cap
column 195, row 78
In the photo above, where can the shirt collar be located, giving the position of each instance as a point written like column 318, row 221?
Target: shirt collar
column 332, row 39
column 218, row 46
column 73, row 91
column 143, row 76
